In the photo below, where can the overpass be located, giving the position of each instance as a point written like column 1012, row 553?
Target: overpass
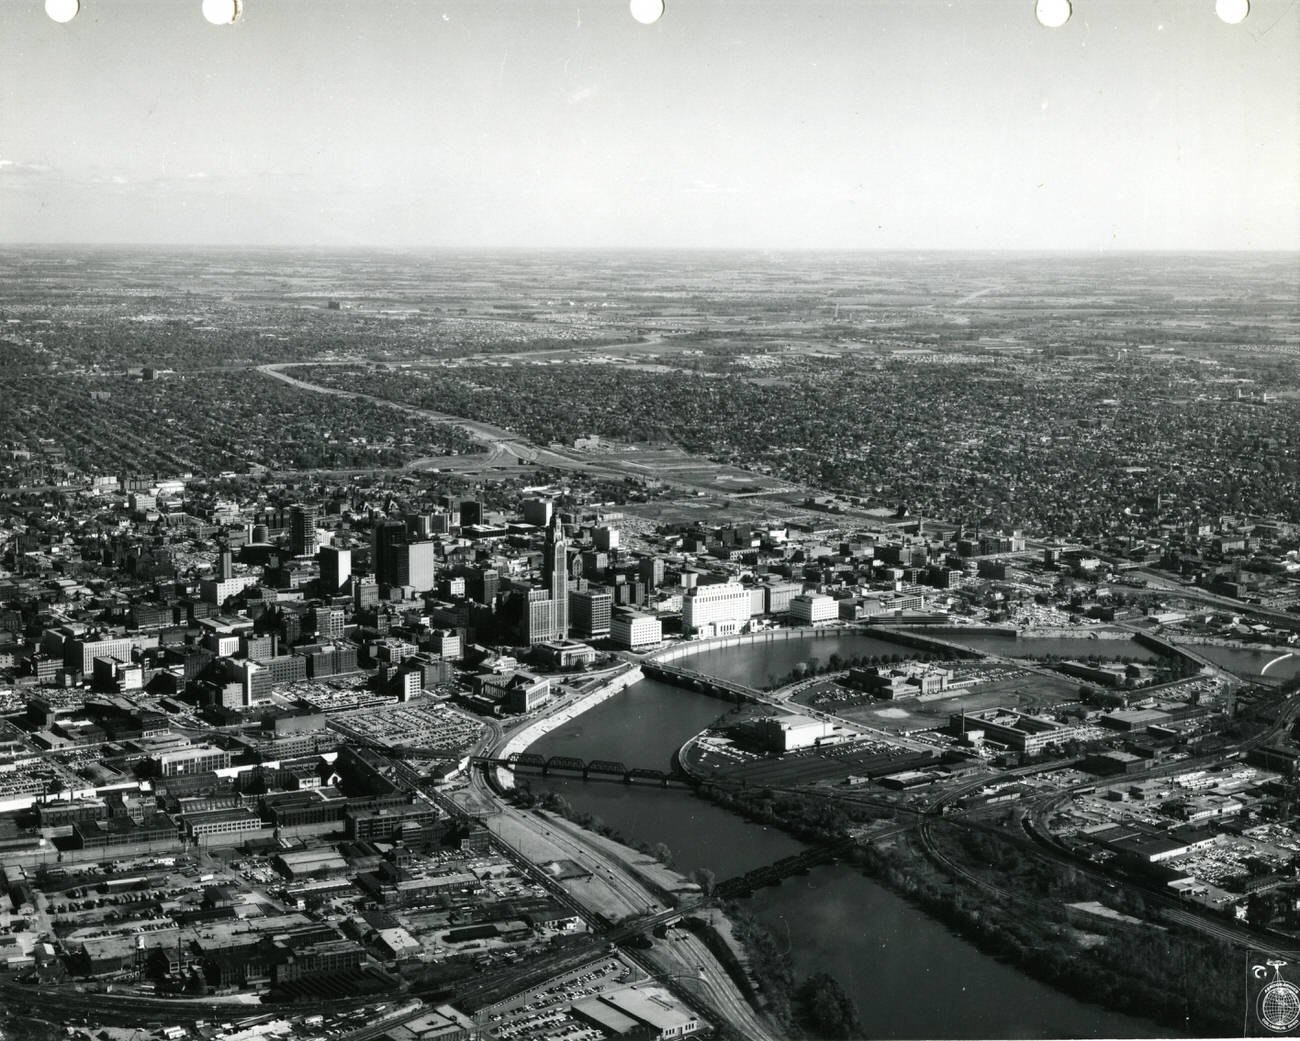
column 1174, row 587
column 490, row 987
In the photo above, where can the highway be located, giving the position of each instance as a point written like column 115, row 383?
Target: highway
column 620, row 894
column 505, row 446
column 67, row 1005
column 1170, row 584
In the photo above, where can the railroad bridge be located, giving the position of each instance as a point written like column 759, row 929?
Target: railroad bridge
column 572, row 766
column 771, row 874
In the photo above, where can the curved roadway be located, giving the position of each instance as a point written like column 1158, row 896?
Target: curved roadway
column 615, row 880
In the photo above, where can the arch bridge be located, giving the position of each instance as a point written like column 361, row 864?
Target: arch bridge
column 692, row 680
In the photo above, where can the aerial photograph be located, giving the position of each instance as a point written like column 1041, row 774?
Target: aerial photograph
column 566, row 520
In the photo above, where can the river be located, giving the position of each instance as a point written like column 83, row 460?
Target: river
column 1041, row 646
column 1250, row 663
column 909, row 976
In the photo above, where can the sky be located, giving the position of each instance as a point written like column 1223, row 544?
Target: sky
column 800, row 124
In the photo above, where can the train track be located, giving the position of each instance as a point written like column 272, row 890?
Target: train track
column 66, row 1004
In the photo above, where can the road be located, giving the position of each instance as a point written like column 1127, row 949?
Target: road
column 1159, row 581
column 505, row 446
column 683, row 954
column 614, row 890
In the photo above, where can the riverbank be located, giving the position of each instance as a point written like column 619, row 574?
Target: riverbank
column 836, row 918
column 687, row 648
column 1015, row 906
column 519, row 742
column 1235, row 645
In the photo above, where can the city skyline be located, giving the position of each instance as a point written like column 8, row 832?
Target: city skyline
column 751, row 126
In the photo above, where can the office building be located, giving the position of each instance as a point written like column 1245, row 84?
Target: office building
column 218, row 591
column 365, row 593
column 481, row 585
column 79, row 655
column 813, row 609
column 335, row 570
column 555, row 568
column 399, row 561
column 387, row 536
column 589, row 611
column 633, row 630
column 302, row 530
column 538, row 512
column 451, row 587
column 651, row 572
column 415, row 566
column 196, row 759
column 471, row 513
column 778, row 596
column 330, row 623
column 418, row 525
column 446, row 643
column 715, row 610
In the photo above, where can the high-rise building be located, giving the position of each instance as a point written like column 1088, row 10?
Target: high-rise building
column 589, row 611
column 629, row 593
column 335, row 569
column 471, row 512
column 388, row 535
column 481, row 585
column 330, row 623
column 451, row 586
column 225, row 564
column 538, row 616
column 302, row 530
column 419, row 525
column 446, row 643
column 555, row 568
column 413, row 565
column 715, row 610
column 651, row 572
column 365, row 593
column 538, row 511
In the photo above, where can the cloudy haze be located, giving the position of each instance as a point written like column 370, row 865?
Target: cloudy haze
column 846, row 124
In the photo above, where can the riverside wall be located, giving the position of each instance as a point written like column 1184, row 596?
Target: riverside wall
column 892, row 634
column 719, row 643
column 1236, row 645
column 530, row 733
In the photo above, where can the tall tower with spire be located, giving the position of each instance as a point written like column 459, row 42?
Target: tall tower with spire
column 555, row 567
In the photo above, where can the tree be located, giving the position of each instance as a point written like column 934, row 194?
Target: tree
column 1259, row 910
column 705, row 879
column 663, row 854
column 826, row 1010
column 557, row 804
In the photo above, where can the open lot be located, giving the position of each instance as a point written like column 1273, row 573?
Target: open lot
column 1027, row 691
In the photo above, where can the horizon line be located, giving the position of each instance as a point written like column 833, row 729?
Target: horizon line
column 356, row 248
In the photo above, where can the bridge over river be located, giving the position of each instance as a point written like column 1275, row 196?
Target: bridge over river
column 679, row 676
column 771, row 874
column 588, row 770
